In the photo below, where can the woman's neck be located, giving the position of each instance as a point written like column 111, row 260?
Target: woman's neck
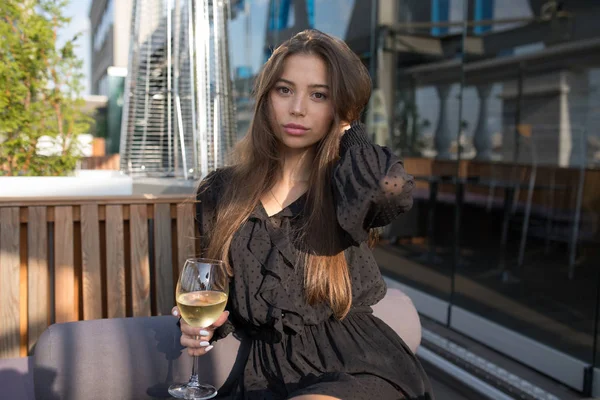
column 297, row 164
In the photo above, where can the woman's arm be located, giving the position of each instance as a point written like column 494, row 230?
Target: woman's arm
column 370, row 186
column 206, row 205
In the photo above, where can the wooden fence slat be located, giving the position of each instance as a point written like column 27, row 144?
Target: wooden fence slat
column 163, row 259
column 140, row 262
column 10, row 265
column 115, row 262
column 64, row 268
column 70, row 201
column 90, row 256
column 37, row 275
column 185, row 233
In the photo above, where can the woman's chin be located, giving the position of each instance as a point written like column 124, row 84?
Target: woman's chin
column 297, row 142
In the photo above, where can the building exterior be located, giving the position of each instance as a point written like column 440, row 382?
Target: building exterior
column 110, row 22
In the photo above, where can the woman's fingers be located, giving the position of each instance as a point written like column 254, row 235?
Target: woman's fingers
column 197, row 340
column 221, row 320
column 195, row 347
column 208, row 331
column 192, row 331
column 194, row 343
column 199, row 352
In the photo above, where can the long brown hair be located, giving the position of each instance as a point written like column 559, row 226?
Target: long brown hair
column 258, row 164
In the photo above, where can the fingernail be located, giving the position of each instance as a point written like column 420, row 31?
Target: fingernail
column 175, row 313
column 209, row 348
column 204, row 344
column 203, row 332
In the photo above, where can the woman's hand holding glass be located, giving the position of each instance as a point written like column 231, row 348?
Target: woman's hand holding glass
column 197, row 340
column 201, row 297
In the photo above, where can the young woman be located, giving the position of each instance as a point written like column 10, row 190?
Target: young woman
column 293, row 219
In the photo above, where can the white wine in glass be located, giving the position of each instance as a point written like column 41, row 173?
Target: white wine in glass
column 201, row 296
column 202, row 308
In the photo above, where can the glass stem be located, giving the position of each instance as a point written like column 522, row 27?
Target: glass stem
column 194, row 378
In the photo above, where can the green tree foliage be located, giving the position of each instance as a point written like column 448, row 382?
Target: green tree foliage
column 40, row 86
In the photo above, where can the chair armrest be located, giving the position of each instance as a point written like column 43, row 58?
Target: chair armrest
column 398, row 311
column 16, row 378
column 138, row 358
column 122, row 358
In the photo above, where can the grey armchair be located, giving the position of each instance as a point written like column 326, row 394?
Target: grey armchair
column 137, row 358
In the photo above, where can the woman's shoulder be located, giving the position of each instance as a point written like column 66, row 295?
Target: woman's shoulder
column 215, row 181
column 220, row 175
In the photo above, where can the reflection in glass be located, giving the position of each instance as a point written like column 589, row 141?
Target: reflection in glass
column 501, row 132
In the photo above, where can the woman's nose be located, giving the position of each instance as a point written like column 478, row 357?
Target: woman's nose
column 298, row 106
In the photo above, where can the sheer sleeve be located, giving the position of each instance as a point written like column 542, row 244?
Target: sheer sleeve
column 224, row 330
column 206, row 205
column 370, row 186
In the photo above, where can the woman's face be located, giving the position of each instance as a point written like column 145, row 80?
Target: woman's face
column 301, row 109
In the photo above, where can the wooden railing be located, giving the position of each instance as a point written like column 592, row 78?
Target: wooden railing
column 72, row 259
column 77, row 259
column 110, row 162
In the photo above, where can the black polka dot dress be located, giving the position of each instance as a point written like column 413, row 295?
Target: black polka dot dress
column 293, row 348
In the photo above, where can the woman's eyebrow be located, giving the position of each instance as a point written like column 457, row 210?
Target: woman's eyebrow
column 316, row 85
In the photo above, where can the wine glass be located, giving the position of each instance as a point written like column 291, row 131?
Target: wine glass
column 201, row 296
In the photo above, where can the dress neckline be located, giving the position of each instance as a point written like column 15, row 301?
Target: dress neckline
column 291, row 210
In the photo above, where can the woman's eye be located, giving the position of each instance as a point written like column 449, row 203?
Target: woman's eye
column 320, row 96
column 283, row 90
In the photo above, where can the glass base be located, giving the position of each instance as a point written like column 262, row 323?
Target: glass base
column 200, row 392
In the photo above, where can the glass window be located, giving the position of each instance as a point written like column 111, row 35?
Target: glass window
column 103, row 85
column 106, row 22
column 501, row 133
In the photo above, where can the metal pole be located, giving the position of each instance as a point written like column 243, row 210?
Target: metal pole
column 179, row 119
column 169, row 88
column 181, row 138
column 126, row 138
column 519, row 105
column 202, row 33
column 459, row 183
column 577, row 217
column 218, row 123
column 146, row 100
column 208, row 75
column 231, row 128
column 373, row 45
column 192, row 91
column 530, row 189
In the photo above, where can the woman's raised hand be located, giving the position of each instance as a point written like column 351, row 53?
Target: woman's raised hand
column 344, row 126
column 197, row 340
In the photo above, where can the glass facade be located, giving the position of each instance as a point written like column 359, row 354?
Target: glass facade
column 494, row 107
column 103, row 28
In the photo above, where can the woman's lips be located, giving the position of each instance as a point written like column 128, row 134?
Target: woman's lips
column 295, row 129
